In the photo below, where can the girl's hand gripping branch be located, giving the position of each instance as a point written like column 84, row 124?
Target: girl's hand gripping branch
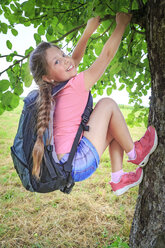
column 91, row 26
column 123, row 18
column 95, row 71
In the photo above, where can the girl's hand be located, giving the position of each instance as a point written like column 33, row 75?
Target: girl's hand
column 95, row 71
column 92, row 25
column 123, row 18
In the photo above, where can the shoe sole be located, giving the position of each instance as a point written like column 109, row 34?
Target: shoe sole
column 126, row 188
column 145, row 160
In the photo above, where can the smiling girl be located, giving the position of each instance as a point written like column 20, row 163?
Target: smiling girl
column 50, row 66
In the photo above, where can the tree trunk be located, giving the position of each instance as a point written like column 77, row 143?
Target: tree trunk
column 148, row 227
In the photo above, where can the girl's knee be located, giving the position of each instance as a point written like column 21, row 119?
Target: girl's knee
column 108, row 103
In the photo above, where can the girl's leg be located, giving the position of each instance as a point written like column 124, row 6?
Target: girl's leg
column 116, row 155
column 106, row 124
column 108, row 128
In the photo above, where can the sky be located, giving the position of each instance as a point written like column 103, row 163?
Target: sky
column 25, row 39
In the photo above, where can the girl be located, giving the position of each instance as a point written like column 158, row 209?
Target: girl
column 50, row 66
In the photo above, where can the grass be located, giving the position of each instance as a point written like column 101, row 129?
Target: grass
column 91, row 216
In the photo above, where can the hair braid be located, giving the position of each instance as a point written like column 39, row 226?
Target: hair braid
column 42, row 123
column 39, row 67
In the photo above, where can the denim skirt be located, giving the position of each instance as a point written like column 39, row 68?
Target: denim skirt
column 85, row 161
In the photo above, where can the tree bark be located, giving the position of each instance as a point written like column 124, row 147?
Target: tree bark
column 148, row 227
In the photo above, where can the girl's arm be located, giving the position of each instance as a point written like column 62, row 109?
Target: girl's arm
column 95, row 71
column 78, row 53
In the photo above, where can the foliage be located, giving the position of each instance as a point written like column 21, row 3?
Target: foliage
column 118, row 243
column 62, row 22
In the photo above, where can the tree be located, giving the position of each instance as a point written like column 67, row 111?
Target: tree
column 139, row 65
column 148, row 229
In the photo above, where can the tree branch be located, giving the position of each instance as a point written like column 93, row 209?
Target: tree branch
column 17, row 62
column 71, row 31
column 138, row 18
column 110, row 8
column 14, row 55
column 54, row 12
column 103, row 32
column 66, row 11
column 106, row 17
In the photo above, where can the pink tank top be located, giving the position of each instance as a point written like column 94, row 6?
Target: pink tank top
column 70, row 103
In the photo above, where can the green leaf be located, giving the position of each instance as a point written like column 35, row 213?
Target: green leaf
column 109, row 91
column 18, row 90
column 60, row 25
column 27, row 24
column 114, row 68
column 14, row 32
column 4, row 85
column 50, row 30
column 3, row 27
column 9, row 58
column 29, row 8
column 98, row 48
column 144, row 92
column 29, row 50
column 41, row 30
column 10, row 100
column 54, row 21
column 14, row 101
column 9, row 44
column 100, row 92
column 37, row 38
column 13, row 7
column 121, row 87
column 94, row 95
column 26, row 76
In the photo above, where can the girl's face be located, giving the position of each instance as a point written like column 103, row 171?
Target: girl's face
column 60, row 67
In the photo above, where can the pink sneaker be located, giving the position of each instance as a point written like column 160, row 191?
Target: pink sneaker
column 145, row 147
column 127, row 181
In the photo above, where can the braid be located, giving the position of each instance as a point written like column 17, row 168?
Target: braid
column 42, row 123
column 39, row 67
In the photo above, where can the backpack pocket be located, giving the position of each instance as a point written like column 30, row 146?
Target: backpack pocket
column 22, row 171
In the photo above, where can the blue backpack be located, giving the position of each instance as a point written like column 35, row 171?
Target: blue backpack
column 53, row 175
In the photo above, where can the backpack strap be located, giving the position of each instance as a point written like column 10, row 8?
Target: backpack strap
column 58, row 87
column 82, row 127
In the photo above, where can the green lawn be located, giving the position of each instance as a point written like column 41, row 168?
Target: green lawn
column 91, row 216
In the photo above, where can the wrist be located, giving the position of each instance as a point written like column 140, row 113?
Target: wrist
column 87, row 33
column 121, row 25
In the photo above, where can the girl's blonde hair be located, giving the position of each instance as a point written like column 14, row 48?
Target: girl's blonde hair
column 39, row 67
